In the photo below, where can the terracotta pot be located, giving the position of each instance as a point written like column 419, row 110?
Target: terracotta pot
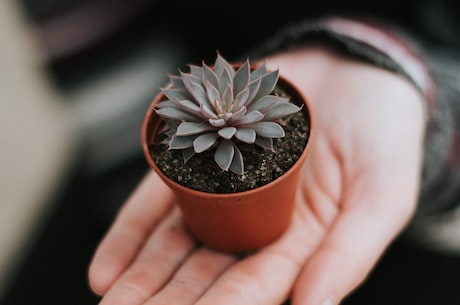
column 235, row 222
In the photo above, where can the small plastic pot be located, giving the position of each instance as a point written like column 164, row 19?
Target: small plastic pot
column 235, row 222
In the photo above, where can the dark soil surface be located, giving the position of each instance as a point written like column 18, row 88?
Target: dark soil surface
column 261, row 166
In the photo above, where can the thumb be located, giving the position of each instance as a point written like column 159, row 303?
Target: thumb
column 364, row 228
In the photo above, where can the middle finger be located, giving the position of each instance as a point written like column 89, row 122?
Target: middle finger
column 159, row 258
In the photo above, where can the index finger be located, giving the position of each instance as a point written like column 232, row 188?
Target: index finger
column 143, row 210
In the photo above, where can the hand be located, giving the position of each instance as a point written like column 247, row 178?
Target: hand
column 358, row 191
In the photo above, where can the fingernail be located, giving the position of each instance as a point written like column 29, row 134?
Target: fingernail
column 328, row 301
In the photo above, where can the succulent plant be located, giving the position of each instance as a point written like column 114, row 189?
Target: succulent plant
column 224, row 109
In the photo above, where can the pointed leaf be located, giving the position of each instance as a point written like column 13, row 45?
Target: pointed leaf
column 170, row 133
column 188, row 153
column 225, row 116
column 246, row 135
column 176, row 115
column 178, row 142
column 222, row 65
column 225, row 81
column 168, row 104
column 190, row 107
column 267, row 84
column 280, row 110
column 250, row 118
column 188, row 79
column 204, row 142
column 227, row 98
column 227, row 132
column 241, row 78
column 209, row 76
column 196, row 71
column 224, row 154
column 213, row 96
column 242, row 98
column 258, row 72
column 171, row 124
column 176, row 94
column 264, row 103
column 217, row 123
column 268, row 129
column 236, row 116
column 199, row 94
column 266, row 143
column 253, row 88
column 165, row 141
column 191, row 128
column 177, row 83
column 207, row 112
column 237, row 165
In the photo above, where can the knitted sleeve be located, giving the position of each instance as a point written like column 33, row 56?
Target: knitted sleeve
column 438, row 80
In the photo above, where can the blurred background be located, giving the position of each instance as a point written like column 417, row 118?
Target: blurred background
column 76, row 77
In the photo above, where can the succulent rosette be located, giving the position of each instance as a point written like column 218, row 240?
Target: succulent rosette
column 225, row 109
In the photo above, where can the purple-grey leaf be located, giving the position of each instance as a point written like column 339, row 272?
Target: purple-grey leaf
column 207, row 112
column 222, row 65
column 250, row 118
column 191, row 128
column 227, row 132
column 198, row 93
column 224, row 154
column 209, row 76
column 264, row 103
column 237, row 165
column 241, row 78
column 246, row 135
column 188, row 79
column 267, row 84
column 177, row 83
column 253, row 88
column 188, row 153
column 258, row 72
column 225, row 81
column 176, row 115
column 178, row 142
column 266, row 143
column 176, row 94
column 190, row 106
column 227, row 99
column 167, row 104
column 237, row 115
column 217, row 122
column 268, row 129
column 212, row 93
column 242, row 98
column 280, row 110
column 170, row 132
column 196, row 71
column 204, row 142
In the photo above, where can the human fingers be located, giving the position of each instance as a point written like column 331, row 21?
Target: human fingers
column 193, row 278
column 163, row 252
column 355, row 242
column 266, row 277
column 141, row 213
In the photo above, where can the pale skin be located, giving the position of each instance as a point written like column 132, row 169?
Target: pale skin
column 357, row 192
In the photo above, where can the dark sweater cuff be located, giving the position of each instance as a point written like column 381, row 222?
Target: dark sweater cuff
column 375, row 43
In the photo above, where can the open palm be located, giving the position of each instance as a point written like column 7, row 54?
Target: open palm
column 357, row 192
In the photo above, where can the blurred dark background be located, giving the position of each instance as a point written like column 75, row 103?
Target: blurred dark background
column 105, row 59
